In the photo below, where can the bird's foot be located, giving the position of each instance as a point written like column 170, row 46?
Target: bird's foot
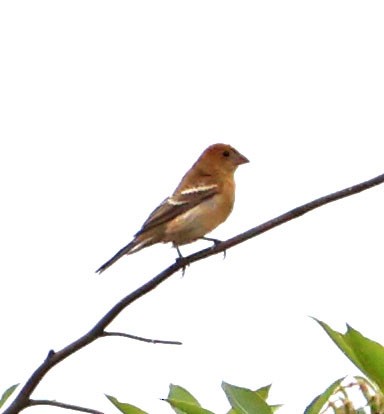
column 181, row 261
column 216, row 242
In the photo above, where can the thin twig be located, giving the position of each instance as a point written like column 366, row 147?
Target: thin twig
column 140, row 338
column 22, row 400
column 64, row 405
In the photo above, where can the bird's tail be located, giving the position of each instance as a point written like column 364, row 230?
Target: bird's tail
column 134, row 246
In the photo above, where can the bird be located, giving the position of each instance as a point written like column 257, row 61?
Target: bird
column 203, row 200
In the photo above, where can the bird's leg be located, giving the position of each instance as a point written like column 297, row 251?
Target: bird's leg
column 179, row 252
column 216, row 242
column 180, row 259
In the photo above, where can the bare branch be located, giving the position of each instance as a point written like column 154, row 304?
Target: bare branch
column 140, row 338
column 64, row 405
column 23, row 398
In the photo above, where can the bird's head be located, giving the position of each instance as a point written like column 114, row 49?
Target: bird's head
column 222, row 157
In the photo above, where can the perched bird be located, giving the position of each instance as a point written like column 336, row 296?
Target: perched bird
column 203, row 200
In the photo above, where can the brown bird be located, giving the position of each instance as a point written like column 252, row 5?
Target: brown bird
column 203, row 200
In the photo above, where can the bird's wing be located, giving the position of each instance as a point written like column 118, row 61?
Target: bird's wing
column 178, row 204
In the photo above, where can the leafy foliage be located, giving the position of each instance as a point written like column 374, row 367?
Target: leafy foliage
column 365, row 353
column 368, row 356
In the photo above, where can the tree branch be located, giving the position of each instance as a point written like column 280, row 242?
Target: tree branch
column 64, row 405
column 140, row 338
column 23, row 398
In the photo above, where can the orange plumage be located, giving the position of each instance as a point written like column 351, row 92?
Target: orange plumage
column 203, row 200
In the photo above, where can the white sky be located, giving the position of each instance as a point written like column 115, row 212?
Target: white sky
column 104, row 105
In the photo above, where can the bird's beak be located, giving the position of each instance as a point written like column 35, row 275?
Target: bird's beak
column 240, row 159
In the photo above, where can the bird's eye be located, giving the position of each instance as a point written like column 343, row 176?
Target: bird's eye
column 226, row 153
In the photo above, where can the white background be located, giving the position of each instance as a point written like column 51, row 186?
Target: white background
column 104, row 106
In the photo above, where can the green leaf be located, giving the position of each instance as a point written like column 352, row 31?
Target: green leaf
column 124, row 407
column 245, row 401
column 366, row 354
column 182, row 407
column 181, row 394
column 370, row 355
column 263, row 392
column 7, row 393
column 340, row 341
column 318, row 403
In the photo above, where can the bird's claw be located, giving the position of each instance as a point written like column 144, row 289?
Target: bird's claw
column 182, row 262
